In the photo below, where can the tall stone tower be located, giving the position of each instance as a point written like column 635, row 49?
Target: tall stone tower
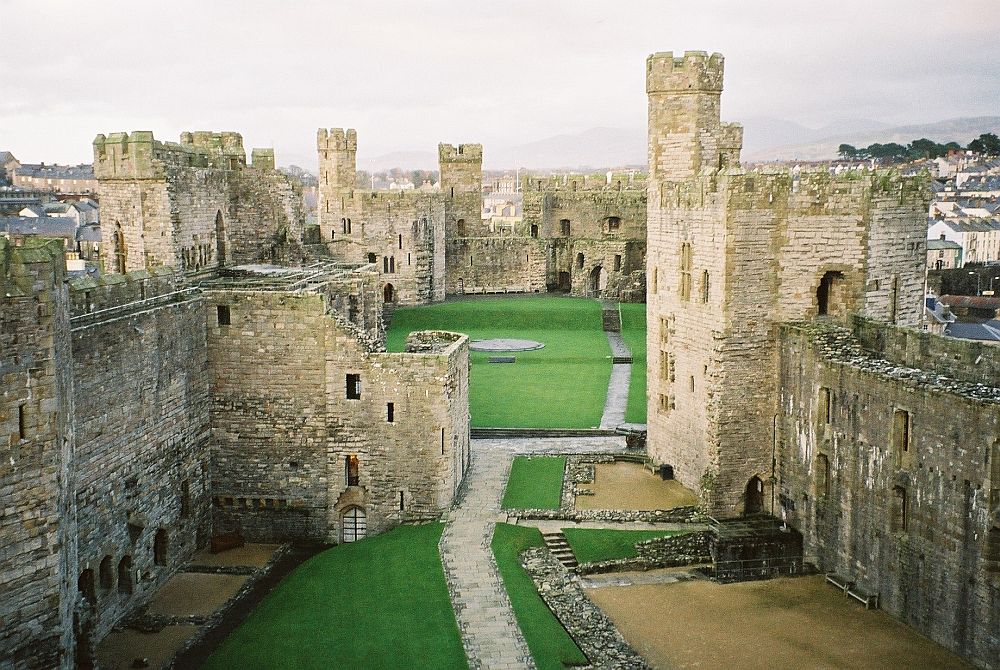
column 462, row 187
column 730, row 255
column 337, row 149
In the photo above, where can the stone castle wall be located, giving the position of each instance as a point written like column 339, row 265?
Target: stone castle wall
column 38, row 525
column 283, row 431
column 733, row 253
column 193, row 205
column 141, row 463
column 844, row 481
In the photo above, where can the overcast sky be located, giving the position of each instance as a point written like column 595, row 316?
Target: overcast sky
column 410, row 74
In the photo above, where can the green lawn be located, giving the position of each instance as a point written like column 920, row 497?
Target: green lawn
column 634, row 334
column 550, row 644
column 591, row 545
column 535, row 482
column 563, row 385
column 378, row 603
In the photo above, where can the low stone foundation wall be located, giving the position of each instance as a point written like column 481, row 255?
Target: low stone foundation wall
column 660, row 552
column 589, row 627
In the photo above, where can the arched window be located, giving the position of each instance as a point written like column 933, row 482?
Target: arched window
column 579, row 261
column 160, row 547
column 459, row 228
column 106, row 574
column 220, row 239
column 685, row 269
column 704, row 285
column 125, row 575
column 86, row 585
column 352, row 469
column 121, row 252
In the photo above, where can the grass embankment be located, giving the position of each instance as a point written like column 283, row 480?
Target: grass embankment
column 562, row 385
column 550, row 644
column 378, row 603
column 535, row 483
column 634, row 334
column 592, row 545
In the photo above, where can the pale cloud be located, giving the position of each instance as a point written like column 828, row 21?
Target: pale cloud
column 411, row 74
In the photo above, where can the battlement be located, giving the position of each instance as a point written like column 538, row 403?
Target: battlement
column 262, row 159
column 599, row 181
column 141, row 156
column 694, row 72
column 337, row 139
column 16, row 280
column 463, row 153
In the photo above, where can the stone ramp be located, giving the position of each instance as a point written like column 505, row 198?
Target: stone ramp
column 490, row 634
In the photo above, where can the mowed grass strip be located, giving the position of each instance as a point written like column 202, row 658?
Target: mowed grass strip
column 592, row 545
column 562, row 385
column 378, row 603
column 535, row 483
column 549, row 643
column 634, row 334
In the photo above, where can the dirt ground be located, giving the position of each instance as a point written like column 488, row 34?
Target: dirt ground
column 781, row 623
column 631, row 486
column 121, row 647
column 190, row 593
column 253, row 555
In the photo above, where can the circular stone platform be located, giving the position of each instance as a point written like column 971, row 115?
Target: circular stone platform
column 502, row 344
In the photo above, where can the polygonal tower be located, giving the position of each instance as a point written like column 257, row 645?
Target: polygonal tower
column 337, row 150
column 462, row 186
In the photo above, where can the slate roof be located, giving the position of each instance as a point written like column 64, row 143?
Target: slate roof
column 988, row 331
column 938, row 245
column 43, row 226
column 82, row 171
column 89, row 234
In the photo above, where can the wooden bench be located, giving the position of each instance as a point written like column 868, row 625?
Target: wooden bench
column 840, row 582
column 226, row 541
column 870, row 600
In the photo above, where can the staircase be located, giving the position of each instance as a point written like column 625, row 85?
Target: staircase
column 559, row 546
column 611, row 318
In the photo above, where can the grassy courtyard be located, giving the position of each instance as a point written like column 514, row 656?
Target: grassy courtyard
column 535, row 483
column 634, row 334
column 591, row 545
column 550, row 644
column 562, row 385
column 399, row 614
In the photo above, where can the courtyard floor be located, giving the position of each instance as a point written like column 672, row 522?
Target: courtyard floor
column 630, row 486
column 780, row 623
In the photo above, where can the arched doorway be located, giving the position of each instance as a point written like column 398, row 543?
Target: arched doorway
column 598, row 280
column 830, row 294
column 388, row 293
column 753, row 501
column 354, row 524
column 220, row 238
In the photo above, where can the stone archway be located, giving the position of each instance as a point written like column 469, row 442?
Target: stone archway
column 388, row 293
column 598, row 281
column 753, row 500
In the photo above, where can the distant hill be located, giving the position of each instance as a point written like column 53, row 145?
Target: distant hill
column 961, row 130
column 764, row 139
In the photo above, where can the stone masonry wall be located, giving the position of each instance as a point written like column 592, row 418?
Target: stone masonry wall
column 141, row 461
column 913, row 525
column 284, row 425
column 38, row 578
column 495, row 265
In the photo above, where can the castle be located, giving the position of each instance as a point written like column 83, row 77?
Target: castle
column 227, row 372
column 787, row 373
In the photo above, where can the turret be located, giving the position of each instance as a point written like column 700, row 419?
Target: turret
column 685, row 133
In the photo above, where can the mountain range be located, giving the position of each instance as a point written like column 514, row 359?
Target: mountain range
column 765, row 139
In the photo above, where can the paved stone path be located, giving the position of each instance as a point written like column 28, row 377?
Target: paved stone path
column 617, row 398
column 489, row 630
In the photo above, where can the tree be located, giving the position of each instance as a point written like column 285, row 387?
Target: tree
column 847, row 152
column 987, row 144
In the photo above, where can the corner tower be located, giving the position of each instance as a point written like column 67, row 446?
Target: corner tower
column 462, row 187
column 337, row 149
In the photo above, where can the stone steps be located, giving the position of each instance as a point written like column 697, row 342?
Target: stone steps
column 521, row 433
column 559, row 546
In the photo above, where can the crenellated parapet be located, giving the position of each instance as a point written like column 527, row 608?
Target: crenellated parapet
column 337, row 139
column 695, row 71
column 463, row 153
column 141, row 156
column 598, row 181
